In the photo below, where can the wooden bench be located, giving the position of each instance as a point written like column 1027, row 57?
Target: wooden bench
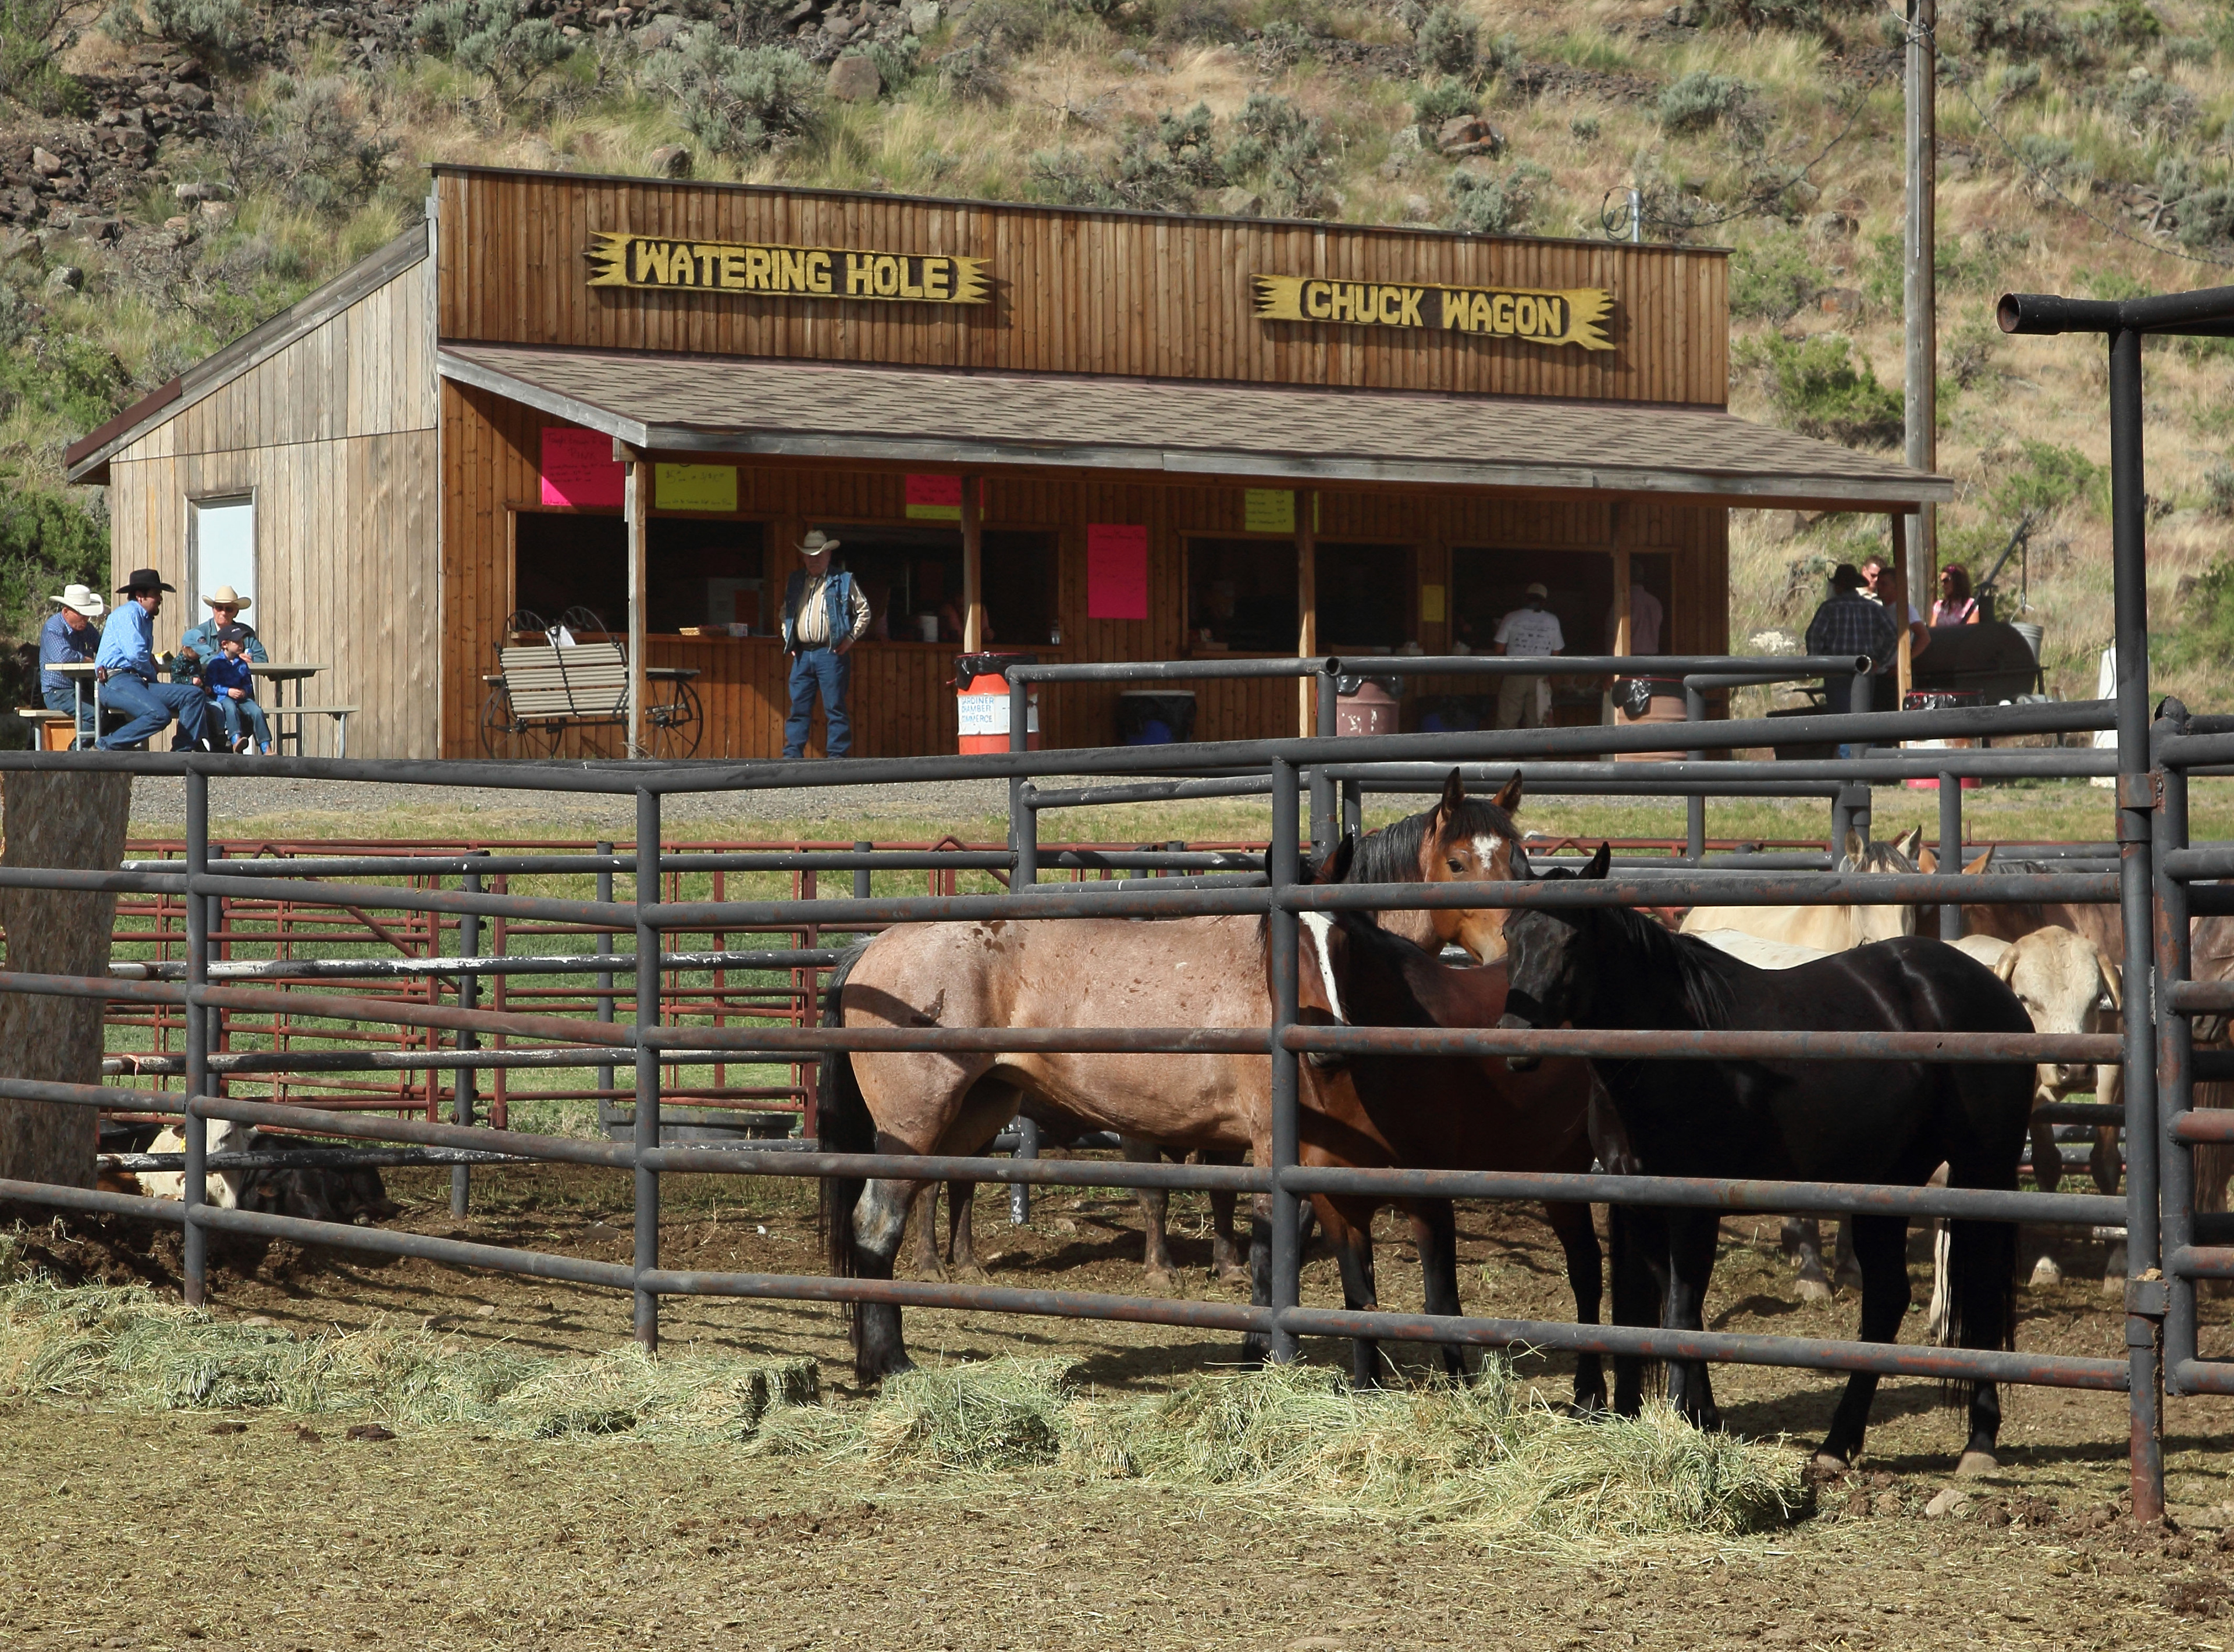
column 53, row 731
column 280, row 735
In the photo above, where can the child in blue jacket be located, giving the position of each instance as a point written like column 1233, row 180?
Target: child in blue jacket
column 232, row 685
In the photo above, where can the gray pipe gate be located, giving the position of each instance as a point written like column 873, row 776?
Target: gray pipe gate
column 2159, row 883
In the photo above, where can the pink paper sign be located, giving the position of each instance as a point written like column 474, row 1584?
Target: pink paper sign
column 1116, row 571
column 579, row 467
column 935, row 499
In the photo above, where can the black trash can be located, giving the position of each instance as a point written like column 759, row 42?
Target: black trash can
column 1155, row 716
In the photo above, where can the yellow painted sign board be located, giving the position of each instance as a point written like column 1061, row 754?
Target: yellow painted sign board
column 1431, row 604
column 663, row 264
column 697, row 487
column 1572, row 316
column 1267, row 510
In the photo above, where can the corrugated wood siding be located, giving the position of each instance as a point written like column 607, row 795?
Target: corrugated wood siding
column 1075, row 292
column 902, row 700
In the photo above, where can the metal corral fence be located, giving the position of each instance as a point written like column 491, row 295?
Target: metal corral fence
column 2158, row 882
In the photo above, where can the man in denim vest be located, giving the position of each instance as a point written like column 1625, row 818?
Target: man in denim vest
column 824, row 615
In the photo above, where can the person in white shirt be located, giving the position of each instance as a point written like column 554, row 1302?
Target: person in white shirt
column 1886, row 587
column 1526, row 701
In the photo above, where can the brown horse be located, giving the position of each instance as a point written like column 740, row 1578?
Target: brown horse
column 1097, row 972
column 1435, row 1113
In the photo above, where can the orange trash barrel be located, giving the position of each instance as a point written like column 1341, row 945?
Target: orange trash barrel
column 1647, row 700
column 981, row 691
column 1369, row 708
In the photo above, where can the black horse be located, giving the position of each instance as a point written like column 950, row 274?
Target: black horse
column 1855, row 1122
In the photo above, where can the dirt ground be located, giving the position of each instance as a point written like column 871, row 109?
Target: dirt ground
column 172, row 1530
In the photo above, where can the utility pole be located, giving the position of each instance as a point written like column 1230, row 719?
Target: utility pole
column 1919, row 294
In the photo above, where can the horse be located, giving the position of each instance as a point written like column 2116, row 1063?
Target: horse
column 1438, row 1112
column 1857, row 1121
column 1804, row 931
column 1096, row 972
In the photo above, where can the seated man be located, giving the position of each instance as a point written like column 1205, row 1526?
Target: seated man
column 70, row 637
column 127, row 668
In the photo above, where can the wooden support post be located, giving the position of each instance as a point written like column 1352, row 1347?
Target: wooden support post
column 1904, row 674
column 1919, row 295
column 1307, row 605
column 637, row 500
column 1624, row 619
column 973, row 567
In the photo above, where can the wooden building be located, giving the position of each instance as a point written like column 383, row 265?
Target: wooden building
column 1082, row 434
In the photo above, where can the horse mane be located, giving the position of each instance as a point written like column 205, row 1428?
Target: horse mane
column 1879, row 858
column 1391, row 854
column 1706, row 990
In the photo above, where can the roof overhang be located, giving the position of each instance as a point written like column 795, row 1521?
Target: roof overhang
column 948, row 419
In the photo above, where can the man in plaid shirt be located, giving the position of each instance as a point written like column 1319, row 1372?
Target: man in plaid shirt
column 1849, row 623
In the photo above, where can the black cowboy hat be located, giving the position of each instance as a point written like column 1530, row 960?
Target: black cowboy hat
column 144, row 579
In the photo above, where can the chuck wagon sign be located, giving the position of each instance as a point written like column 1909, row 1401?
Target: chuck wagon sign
column 1081, row 433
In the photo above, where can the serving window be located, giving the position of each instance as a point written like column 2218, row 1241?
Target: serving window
column 912, row 577
column 699, row 571
column 1242, row 596
column 1487, row 585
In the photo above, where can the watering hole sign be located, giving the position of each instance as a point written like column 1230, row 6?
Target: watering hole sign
column 618, row 259
column 1568, row 317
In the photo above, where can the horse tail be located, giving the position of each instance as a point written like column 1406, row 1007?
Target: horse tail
column 842, row 1125
column 1981, row 1262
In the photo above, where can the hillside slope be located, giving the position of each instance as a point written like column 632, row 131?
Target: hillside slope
column 172, row 170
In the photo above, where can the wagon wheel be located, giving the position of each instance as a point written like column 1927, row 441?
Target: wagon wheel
column 506, row 735
column 676, row 724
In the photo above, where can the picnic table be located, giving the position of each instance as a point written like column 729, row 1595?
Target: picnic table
column 280, row 713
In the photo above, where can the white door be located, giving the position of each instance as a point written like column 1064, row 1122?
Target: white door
column 225, row 549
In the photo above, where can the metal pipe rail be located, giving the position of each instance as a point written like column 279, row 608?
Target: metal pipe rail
column 413, row 969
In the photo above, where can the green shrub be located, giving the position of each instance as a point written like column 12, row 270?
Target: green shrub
column 2026, row 31
column 2202, row 213
column 2218, row 490
column 1504, row 203
column 209, row 28
column 492, row 37
column 2124, row 23
column 303, row 138
column 28, row 74
column 1820, row 390
column 1774, row 279
column 1449, row 42
column 1289, row 147
column 2202, row 629
column 1755, row 15
column 2046, row 477
column 735, row 100
column 1163, row 165
column 1701, row 99
column 1436, row 102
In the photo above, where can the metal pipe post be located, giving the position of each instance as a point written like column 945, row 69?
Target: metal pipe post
column 1287, row 1249
column 647, row 1061
column 2144, row 1291
column 2175, row 1056
column 1353, row 807
column 469, row 988
column 861, row 889
column 605, row 1108
column 1324, row 827
column 1950, row 850
column 196, row 1259
column 1024, row 830
column 1695, row 806
column 1026, row 1150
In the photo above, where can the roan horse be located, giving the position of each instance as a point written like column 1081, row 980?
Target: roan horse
column 1851, row 1121
column 1433, row 1112
column 1117, row 972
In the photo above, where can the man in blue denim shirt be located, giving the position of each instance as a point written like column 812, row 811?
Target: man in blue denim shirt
column 70, row 637
column 824, row 615
column 128, row 671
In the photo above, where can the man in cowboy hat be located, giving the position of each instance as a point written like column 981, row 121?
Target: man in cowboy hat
column 126, row 670
column 199, row 645
column 70, row 637
column 824, row 615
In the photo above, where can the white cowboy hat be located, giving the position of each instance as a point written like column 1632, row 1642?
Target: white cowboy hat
column 226, row 596
column 83, row 600
column 817, row 543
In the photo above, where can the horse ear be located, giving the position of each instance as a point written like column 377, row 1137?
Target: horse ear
column 1600, row 862
column 1508, row 795
column 2006, row 966
column 2110, row 981
column 1454, row 798
column 1857, row 847
column 1980, row 863
column 1334, row 869
column 1906, row 842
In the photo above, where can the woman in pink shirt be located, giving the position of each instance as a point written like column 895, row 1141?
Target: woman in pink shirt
column 1955, row 607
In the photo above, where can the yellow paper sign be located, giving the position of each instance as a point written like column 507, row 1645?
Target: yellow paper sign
column 1571, row 317
column 697, row 487
column 1267, row 510
column 618, row 259
column 1431, row 604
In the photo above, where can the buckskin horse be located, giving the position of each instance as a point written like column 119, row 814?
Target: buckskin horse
column 1430, row 1112
column 1850, row 1121
column 1088, row 972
